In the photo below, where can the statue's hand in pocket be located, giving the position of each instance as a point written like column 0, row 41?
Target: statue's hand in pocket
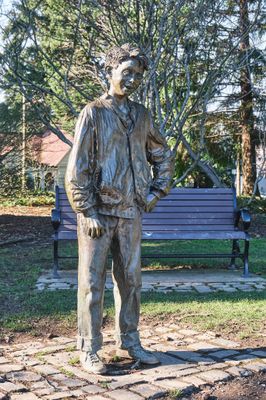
column 151, row 202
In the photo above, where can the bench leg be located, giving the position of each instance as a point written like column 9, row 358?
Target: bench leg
column 235, row 251
column 246, row 249
column 55, row 268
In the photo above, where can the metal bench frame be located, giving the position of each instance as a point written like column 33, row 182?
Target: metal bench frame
column 179, row 199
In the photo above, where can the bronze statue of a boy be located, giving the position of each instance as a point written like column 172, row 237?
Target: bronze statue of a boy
column 119, row 166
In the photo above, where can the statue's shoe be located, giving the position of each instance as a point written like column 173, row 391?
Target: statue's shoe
column 91, row 362
column 138, row 353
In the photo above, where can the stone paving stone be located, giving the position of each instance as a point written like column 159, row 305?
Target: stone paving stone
column 167, row 360
column 224, row 353
column 202, row 346
column 82, row 374
column 162, row 329
column 228, row 289
column 93, row 389
column 238, row 371
column 57, row 359
column 4, row 360
column 148, row 390
column 218, row 365
column 43, row 392
column 64, row 340
column 188, row 371
column 58, row 396
column 124, row 380
column 256, row 367
column 40, row 385
column 28, row 362
column 45, row 369
column 24, row 376
column 194, row 380
column 40, row 350
column 124, row 394
column 3, row 396
column 232, row 363
column 77, row 393
column 225, row 343
column 8, row 387
column 203, row 289
column 190, row 356
column 164, row 347
column 205, row 337
column 5, row 368
column 97, row 397
column 173, row 384
column 70, row 383
column 188, row 332
column 213, row 376
column 24, row 396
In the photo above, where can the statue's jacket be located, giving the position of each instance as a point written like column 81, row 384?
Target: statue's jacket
column 116, row 161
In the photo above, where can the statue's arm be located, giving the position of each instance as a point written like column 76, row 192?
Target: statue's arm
column 161, row 158
column 80, row 168
column 80, row 174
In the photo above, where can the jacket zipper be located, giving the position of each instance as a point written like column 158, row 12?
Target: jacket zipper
column 130, row 160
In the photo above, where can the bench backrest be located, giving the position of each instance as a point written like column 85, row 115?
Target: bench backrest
column 183, row 210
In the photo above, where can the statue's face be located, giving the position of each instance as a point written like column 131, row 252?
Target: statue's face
column 126, row 77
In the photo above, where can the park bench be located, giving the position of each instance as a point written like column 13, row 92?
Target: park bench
column 185, row 214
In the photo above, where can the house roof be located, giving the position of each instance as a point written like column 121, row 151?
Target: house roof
column 48, row 149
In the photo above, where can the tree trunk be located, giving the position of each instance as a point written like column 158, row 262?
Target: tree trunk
column 247, row 120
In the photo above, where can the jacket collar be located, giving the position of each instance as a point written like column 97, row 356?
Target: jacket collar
column 128, row 121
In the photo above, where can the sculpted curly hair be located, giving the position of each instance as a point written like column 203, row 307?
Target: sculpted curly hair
column 116, row 55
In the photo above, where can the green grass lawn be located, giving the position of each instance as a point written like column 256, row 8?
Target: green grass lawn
column 22, row 309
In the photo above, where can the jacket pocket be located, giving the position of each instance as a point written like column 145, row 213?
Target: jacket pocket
column 109, row 196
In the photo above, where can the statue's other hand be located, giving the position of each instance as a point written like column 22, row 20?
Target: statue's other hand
column 151, row 202
column 94, row 227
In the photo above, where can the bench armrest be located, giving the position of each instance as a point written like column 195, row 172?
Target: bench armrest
column 55, row 218
column 243, row 214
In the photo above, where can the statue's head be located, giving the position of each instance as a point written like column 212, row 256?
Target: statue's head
column 124, row 68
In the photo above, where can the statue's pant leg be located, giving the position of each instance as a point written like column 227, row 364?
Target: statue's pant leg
column 93, row 255
column 126, row 252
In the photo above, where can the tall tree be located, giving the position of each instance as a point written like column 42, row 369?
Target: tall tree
column 247, row 115
column 53, row 52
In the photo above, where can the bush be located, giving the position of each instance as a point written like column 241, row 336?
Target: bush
column 257, row 205
column 27, row 198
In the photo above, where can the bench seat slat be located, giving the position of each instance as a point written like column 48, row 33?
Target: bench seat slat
column 193, row 235
column 156, row 215
column 174, row 228
column 182, row 228
column 180, row 197
column 179, row 209
column 72, row 235
column 186, row 190
column 187, row 203
column 170, row 221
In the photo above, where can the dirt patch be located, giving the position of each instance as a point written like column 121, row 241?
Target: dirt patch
column 23, row 223
column 251, row 388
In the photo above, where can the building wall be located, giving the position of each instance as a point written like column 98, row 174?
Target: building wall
column 61, row 170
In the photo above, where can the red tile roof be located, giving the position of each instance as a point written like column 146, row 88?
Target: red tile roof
column 48, row 149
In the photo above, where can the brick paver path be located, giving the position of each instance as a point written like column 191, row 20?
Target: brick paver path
column 203, row 281
column 50, row 370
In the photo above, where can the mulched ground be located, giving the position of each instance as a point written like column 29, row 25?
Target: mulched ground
column 251, row 388
column 23, row 223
